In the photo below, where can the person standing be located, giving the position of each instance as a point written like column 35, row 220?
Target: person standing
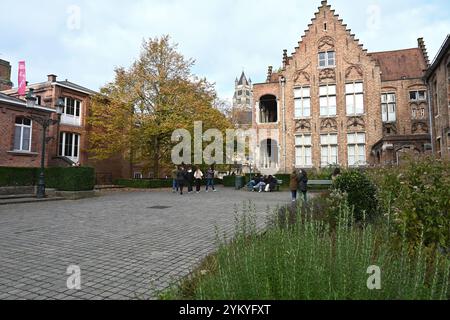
column 303, row 184
column 190, row 180
column 181, row 178
column 293, row 185
column 174, row 180
column 210, row 179
column 198, row 176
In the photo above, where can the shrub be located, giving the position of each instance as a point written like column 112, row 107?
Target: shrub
column 63, row 179
column 70, row 179
column 416, row 197
column 24, row 177
column 360, row 193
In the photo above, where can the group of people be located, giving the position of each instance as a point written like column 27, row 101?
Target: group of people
column 263, row 183
column 188, row 176
column 299, row 182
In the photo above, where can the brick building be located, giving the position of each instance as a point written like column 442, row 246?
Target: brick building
column 332, row 102
column 438, row 81
column 5, row 75
column 21, row 142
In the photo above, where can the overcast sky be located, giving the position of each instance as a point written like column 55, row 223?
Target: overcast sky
column 84, row 40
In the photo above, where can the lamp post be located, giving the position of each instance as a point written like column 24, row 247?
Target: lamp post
column 45, row 123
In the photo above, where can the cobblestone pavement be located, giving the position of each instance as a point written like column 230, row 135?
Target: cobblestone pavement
column 125, row 248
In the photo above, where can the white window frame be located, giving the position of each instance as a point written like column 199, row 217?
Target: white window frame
column 329, row 56
column 303, row 150
column 358, row 142
column 72, row 119
column 22, row 127
column 386, row 105
column 328, row 144
column 138, row 175
column 302, row 102
column 417, row 95
column 353, row 96
column 329, row 96
column 62, row 150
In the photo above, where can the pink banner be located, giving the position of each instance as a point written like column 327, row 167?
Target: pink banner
column 22, row 79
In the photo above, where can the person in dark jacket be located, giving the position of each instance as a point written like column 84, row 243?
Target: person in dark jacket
column 293, row 185
column 181, row 178
column 210, row 179
column 273, row 182
column 190, row 180
column 303, row 184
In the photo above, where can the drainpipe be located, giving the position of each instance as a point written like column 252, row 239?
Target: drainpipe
column 283, row 102
column 431, row 115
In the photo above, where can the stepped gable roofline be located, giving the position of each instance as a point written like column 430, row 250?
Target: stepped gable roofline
column 400, row 64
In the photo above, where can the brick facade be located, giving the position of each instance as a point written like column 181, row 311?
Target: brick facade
column 5, row 75
column 10, row 110
column 346, row 62
column 438, row 80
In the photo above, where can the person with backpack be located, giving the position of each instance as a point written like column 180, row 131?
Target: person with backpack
column 198, row 176
column 303, row 184
column 210, row 179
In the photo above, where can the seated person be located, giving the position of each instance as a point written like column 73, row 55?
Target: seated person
column 272, row 183
column 255, row 181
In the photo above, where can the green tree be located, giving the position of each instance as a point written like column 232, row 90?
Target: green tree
column 137, row 113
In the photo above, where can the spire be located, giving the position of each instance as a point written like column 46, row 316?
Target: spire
column 243, row 80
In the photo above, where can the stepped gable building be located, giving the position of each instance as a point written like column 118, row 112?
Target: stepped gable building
column 438, row 80
column 242, row 102
column 334, row 103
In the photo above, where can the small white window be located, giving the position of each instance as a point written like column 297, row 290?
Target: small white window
column 303, row 151
column 22, row 134
column 356, row 149
column 327, row 59
column 329, row 149
column 328, row 100
column 302, row 98
column 354, row 98
column 388, row 107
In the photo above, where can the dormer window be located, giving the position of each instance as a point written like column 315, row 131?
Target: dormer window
column 327, row 59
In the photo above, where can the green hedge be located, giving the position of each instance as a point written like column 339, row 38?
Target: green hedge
column 63, row 179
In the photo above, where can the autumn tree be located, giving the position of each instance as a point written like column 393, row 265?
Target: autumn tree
column 137, row 113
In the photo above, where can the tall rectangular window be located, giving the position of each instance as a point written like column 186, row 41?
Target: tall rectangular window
column 302, row 98
column 303, row 151
column 328, row 100
column 329, row 149
column 388, row 107
column 22, row 135
column 327, row 59
column 69, row 145
column 356, row 149
column 354, row 94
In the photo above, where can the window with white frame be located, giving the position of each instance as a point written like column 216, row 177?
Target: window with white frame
column 138, row 175
column 329, row 149
column 72, row 112
column 354, row 94
column 418, row 95
column 302, row 98
column 327, row 59
column 69, row 145
column 388, row 107
column 303, row 151
column 356, row 149
column 327, row 100
column 22, row 134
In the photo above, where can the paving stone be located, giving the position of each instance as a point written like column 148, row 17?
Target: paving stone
column 124, row 248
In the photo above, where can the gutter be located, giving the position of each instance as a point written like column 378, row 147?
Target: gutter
column 430, row 116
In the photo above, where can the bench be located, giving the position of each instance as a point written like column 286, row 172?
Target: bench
column 320, row 182
column 279, row 184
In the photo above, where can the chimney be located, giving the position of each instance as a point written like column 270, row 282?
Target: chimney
column 269, row 74
column 422, row 47
column 51, row 78
column 285, row 59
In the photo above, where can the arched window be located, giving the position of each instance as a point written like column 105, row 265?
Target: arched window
column 268, row 107
column 22, row 134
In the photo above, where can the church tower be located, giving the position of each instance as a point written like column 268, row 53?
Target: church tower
column 242, row 101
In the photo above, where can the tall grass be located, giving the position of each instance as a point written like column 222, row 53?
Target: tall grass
column 302, row 258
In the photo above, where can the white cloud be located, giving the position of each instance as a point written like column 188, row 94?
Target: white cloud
column 224, row 36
